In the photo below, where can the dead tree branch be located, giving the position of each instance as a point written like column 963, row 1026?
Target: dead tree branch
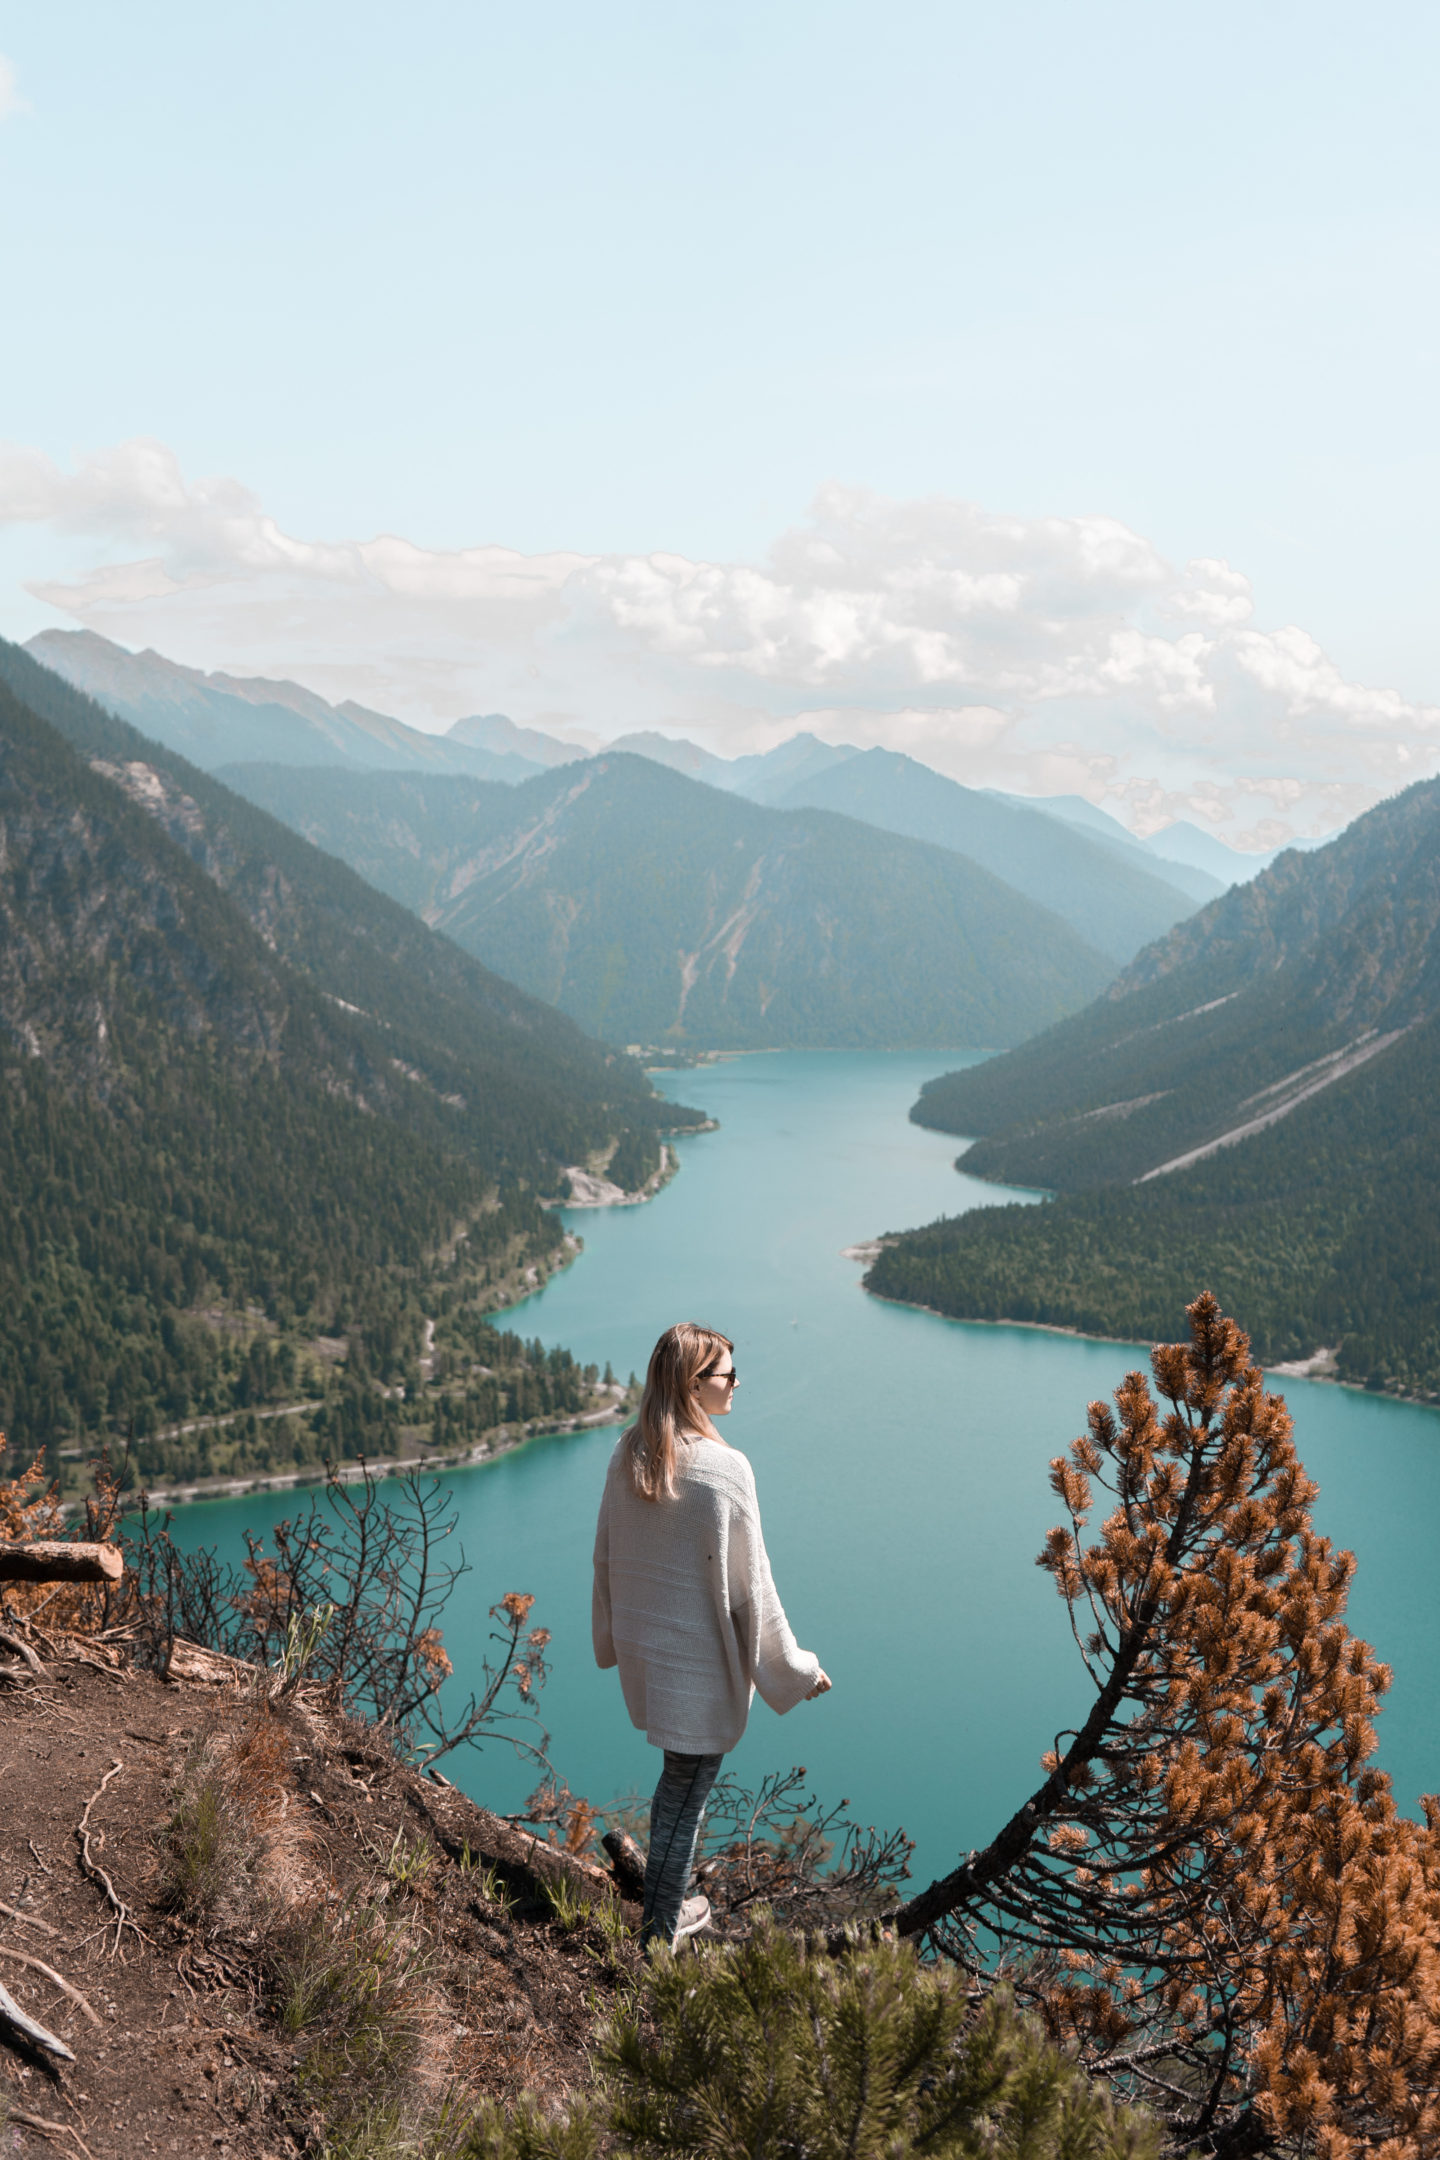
column 37, row 2035
column 22, row 1957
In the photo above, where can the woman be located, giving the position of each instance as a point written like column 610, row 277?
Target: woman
column 684, row 1603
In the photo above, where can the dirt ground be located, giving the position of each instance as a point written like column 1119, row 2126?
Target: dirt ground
column 174, row 2026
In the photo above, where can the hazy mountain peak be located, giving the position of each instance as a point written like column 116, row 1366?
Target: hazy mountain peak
column 1118, row 899
column 497, row 732
column 681, row 756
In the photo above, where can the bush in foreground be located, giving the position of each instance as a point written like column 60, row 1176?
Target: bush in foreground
column 771, row 2049
column 780, row 2052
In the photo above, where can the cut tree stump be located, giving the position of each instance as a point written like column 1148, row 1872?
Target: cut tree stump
column 60, row 1560
column 628, row 1862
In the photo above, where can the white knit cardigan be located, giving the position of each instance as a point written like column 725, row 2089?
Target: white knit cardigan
column 685, row 1606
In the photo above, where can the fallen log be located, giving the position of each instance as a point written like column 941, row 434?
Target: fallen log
column 60, row 1560
column 188, row 1661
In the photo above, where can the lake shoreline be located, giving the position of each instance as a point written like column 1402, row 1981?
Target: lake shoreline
column 1288, row 1370
column 927, row 1447
column 506, row 1442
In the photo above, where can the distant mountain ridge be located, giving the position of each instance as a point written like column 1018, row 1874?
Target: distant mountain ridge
column 1250, row 1106
column 221, row 719
column 1196, row 861
column 214, row 720
column 1117, row 902
column 655, row 909
column 499, row 735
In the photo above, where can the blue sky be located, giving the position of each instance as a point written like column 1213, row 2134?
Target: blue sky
column 642, row 281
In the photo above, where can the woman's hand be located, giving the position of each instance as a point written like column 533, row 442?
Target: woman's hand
column 821, row 1687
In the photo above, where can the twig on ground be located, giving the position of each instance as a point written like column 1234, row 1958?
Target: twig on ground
column 23, row 1650
column 91, row 1868
column 53, row 2129
column 69, row 1651
column 22, row 1957
column 37, row 2035
column 31, row 1843
column 28, row 1919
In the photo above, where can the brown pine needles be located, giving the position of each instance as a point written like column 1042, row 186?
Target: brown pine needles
column 1212, row 1896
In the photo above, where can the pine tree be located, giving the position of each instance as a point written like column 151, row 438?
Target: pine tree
column 774, row 2050
column 1212, row 1895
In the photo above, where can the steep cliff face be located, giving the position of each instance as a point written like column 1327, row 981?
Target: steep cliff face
column 1350, row 925
column 385, row 995
column 112, row 940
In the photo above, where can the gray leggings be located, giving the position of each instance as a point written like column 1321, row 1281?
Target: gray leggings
column 676, row 1813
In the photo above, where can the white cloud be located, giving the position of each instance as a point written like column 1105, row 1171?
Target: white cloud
column 11, row 101
column 1048, row 655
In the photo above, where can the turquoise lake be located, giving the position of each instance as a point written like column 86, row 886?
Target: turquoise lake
column 901, row 1461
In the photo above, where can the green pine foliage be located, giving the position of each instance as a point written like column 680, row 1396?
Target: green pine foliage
column 770, row 2049
column 783, row 2053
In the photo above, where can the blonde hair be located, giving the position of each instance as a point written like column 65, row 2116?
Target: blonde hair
column 678, row 1363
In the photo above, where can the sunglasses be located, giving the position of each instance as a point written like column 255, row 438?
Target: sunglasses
column 726, row 1379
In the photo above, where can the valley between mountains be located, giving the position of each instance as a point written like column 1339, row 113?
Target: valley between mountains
column 301, row 1052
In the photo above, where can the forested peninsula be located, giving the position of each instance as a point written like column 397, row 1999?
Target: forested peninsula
column 1251, row 1106
column 269, row 1144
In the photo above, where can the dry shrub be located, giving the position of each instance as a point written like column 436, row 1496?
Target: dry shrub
column 562, row 1818
column 231, row 1852
column 361, row 1580
column 351, row 1986
column 30, row 1512
column 1213, row 1896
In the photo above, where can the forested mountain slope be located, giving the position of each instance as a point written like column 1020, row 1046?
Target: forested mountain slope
column 1272, row 992
column 657, row 910
column 248, row 1102
column 1252, row 1108
column 1116, row 900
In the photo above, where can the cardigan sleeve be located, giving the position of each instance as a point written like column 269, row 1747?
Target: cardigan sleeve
column 600, row 1629
column 782, row 1673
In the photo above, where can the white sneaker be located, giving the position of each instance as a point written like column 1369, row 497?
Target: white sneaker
column 694, row 1915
